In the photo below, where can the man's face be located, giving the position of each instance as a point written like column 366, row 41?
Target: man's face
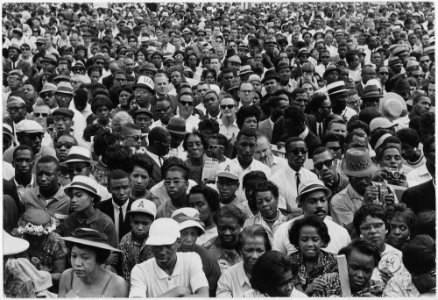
column 271, row 86
column 296, row 154
column 188, row 238
column 228, row 230
column 161, row 85
column 32, row 140
column 14, row 82
column 63, row 124
column 17, row 111
column 323, row 164
column 13, row 54
column 245, row 147
column 263, row 151
column 142, row 96
column 63, row 146
column 120, row 190
column 163, row 110
column 176, row 185
column 140, row 224
column 165, row 255
column 367, row 74
column 47, row 176
column 360, row 269
column 185, row 104
column 285, row 73
column 337, row 128
column 211, row 103
column 63, row 100
column 228, row 80
column 23, row 162
column 302, row 100
column 360, row 183
column 316, row 204
column 246, row 94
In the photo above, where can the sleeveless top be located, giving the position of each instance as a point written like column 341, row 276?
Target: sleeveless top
column 72, row 294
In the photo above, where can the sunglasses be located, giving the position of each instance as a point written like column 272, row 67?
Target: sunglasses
column 383, row 73
column 77, row 169
column 67, row 145
column 297, row 151
column 424, row 61
column 25, row 49
column 328, row 163
column 136, row 137
column 334, row 148
column 216, row 147
column 14, row 109
column 39, row 115
column 159, row 110
column 33, row 136
column 78, row 70
column 186, row 103
column 230, row 106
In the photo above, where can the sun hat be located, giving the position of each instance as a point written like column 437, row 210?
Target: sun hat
column 336, row 87
column 7, row 129
column 78, row 154
column 64, row 88
column 381, row 123
column 91, row 238
column 163, row 231
column 13, row 245
column 188, row 217
column 144, row 82
column 228, row 170
column 254, row 77
column 48, row 87
column 143, row 206
column 390, row 109
column 283, row 65
column 85, row 183
column 371, row 91
column 235, row 58
column 147, row 66
column 28, row 126
column 50, row 58
column 357, row 162
column 311, row 186
column 245, row 69
column 16, row 72
column 15, row 101
column 177, row 125
column 36, row 222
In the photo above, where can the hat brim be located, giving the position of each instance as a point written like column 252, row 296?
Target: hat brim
column 227, row 175
column 89, row 243
column 75, row 160
column 362, row 173
column 13, row 245
column 338, row 92
column 191, row 223
column 160, row 240
column 68, row 190
column 177, row 132
column 327, row 191
column 142, row 211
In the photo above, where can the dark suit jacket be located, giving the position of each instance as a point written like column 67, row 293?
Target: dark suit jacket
column 156, row 173
column 420, row 197
column 108, row 81
column 278, row 130
column 265, row 128
column 25, row 67
column 9, row 188
column 107, row 208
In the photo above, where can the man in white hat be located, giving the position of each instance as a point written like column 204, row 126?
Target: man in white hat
column 313, row 199
column 134, row 250
column 169, row 273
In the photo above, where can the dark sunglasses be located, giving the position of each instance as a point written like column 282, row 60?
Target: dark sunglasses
column 25, row 49
column 230, row 106
column 39, row 115
column 383, row 73
column 67, row 145
column 186, row 103
column 78, row 70
column 216, row 147
column 136, row 137
column 77, row 169
column 158, row 110
column 297, row 151
column 334, row 148
column 35, row 135
column 328, row 163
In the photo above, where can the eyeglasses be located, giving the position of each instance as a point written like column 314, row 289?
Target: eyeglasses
column 39, row 115
column 67, row 145
column 297, row 151
column 368, row 227
column 47, row 94
column 230, row 106
column 383, row 73
column 328, row 163
column 216, row 147
column 33, row 136
column 14, row 109
column 25, row 49
column 77, row 168
column 325, row 56
column 136, row 137
column 186, row 103
column 424, row 61
column 78, row 70
column 164, row 109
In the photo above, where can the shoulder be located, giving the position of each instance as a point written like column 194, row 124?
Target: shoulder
column 104, row 204
column 339, row 196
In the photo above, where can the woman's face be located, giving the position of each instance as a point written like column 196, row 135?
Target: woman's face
column 140, row 56
column 80, row 200
column 399, row 231
column 374, row 230
column 252, row 249
column 266, row 204
column 123, row 98
column 392, row 158
column 176, row 78
column 310, row 242
column 195, row 149
column 102, row 112
column 83, row 261
column 257, row 99
column 285, row 285
column 308, row 88
column 199, row 202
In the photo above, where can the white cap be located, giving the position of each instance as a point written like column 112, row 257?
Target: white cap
column 188, row 217
column 143, row 206
column 163, row 231
column 229, row 170
column 29, row 126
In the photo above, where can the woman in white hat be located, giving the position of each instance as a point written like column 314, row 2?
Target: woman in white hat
column 88, row 277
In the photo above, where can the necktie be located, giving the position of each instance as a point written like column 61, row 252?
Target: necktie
column 120, row 222
column 320, row 130
column 298, row 180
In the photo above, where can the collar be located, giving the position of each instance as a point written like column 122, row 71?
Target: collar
column 176, row 270
column 124, row 206
column 241, row 275
column 304, row 134
column 57, row 196
column 31, row 183
column 93, row 218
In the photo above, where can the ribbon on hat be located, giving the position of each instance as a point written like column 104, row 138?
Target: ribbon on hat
column 183, row 217
column 381, row 140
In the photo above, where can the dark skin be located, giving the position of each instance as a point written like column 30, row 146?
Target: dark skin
column 23, row 162
column 47, row 178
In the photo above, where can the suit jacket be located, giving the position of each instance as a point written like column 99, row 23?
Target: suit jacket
column 107, row 208
column 10, row 188
column 156, row 173
column 359, row 89
column 24, row 66
column 108, row 81
column 266, row 128
column 420, row 197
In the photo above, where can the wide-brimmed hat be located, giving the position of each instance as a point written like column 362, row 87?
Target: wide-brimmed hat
column 311, row 186
column 50, row 58
column 381, row 123
column 188, row 217
column 163, row 231
column 78, row 154
column 177, row 125
column 357, row 162
column 48, row 87
column 392, row 106
column 371, row 91
column 13, row 245
column 7, row 129
column 245, row 69
column 84, row 183
column 91, row 238
column 143, row 206
column 283, row 65
column 336, row 87
column 64, row 88
column 235, row 58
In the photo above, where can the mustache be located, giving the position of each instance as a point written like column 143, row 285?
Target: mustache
column 320, row 210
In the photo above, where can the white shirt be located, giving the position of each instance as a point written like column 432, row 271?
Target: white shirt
column 418, row 176
column 8, row 171
column 229, row 131
column 85, row 113
column 233, row 282
column 160, row 191
column 339, row 237
column 286, row 181
column 116, row 215
column 157, row 123
column 155, row 157
column 149, row 280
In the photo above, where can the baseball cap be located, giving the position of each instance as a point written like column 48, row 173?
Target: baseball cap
column 28, row 126
column 143, row 206
column 229, row 170
column 163, row 231
column 188, row 217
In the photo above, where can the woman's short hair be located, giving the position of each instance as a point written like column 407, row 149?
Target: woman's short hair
column 313, row 221
column 247, row 112
column 101, row 254
column 269, row 270
column 363, row 246
column 252, row 232
column 230, row 211
column 194, row 133
column 401, row 210
column 210, row 195
column 374, row 210
column 266, row 186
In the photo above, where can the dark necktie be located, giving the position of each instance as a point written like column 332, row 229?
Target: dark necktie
column 298, row 181
column 120, row 222
column 320, row 130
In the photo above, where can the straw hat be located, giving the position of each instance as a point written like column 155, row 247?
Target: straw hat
column 357, row 162
column 91, row 238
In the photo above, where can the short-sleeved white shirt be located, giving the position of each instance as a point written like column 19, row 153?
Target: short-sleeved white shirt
column 149, row 280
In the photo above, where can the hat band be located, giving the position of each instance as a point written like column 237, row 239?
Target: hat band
column 312, row 187
column 176, row 128
column 83, row 185
column 78, row 156
column 338, row 89
column 381, row 140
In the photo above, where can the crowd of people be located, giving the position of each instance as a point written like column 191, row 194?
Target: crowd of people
column 219, row 149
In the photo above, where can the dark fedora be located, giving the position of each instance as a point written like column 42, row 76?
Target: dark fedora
column 371, row 91
column 270, row 74
column 283, row 65
column 177, row 125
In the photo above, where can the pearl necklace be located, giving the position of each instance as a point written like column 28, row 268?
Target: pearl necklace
column 274, row 219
